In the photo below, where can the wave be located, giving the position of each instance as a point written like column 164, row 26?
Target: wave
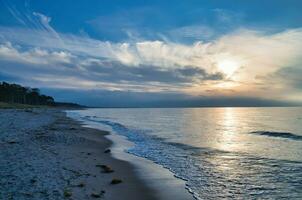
column 286, row 135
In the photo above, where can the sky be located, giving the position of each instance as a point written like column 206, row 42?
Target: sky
column 117, row 53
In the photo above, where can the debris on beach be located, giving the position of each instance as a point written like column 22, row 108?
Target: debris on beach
column 116, row 181
column 98, row 195
column 81, row 185
column 107, row 151
column 27, row 194
column 95, row 195
column 67, row 193
column 33, row 181
column 43, row 192
column 106, row 169
column 12, row 142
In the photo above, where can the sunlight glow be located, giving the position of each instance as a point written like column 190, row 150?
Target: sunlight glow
column 225, row 84
column 228, row 67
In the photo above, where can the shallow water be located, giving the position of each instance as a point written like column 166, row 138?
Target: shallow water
column 242, row 153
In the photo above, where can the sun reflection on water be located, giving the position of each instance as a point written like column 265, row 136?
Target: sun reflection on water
column 229, row 125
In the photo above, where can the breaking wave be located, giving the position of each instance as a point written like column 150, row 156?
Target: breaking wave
column 286, row 135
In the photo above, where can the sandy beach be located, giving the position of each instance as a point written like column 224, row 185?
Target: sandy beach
column 46, row 155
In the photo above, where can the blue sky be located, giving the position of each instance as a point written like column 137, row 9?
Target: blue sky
column 151, row 52
column 115, row 20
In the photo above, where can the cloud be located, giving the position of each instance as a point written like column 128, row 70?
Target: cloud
column 44, row 24
column 286, row 81
column 193, row 32
column 247, row 45
column 227, row 16
column 290, row 75
column 44, row 19
column 33, row 56
column 151, row 65
column 64, row 70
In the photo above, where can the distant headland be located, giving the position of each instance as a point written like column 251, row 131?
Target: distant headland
column 16, row 96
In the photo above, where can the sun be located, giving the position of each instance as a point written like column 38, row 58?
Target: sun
column 228, row 67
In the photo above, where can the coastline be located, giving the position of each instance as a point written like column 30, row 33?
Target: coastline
column 47, row 155
column 164, row 184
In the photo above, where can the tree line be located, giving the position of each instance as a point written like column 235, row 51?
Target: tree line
column 14, row 93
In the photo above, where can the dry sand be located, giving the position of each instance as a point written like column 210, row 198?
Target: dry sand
column 45, row 155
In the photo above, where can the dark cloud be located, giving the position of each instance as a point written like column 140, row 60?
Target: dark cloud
column 106, row 98
column 290, row 75
column 287, row 77
column 116, row 71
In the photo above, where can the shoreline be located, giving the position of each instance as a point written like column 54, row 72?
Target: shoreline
column 47, row 155
column 155, row 176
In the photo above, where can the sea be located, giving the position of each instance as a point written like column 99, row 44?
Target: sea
column 221, row 153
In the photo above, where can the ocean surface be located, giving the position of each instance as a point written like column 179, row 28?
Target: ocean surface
column 240, row 153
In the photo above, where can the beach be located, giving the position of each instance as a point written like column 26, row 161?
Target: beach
column 93, row 153
column 46, row 155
